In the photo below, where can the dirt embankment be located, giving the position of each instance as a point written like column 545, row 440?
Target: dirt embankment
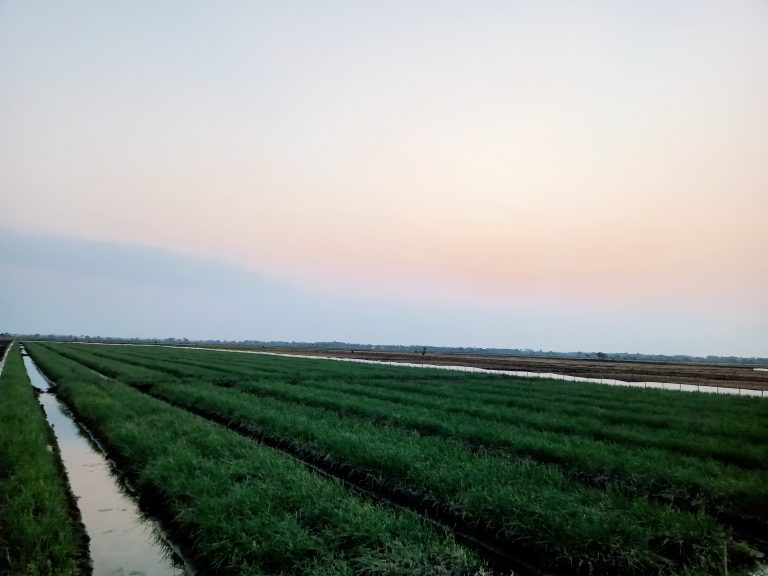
column 702, row 374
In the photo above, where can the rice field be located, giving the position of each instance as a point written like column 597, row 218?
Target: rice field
column 272, row 465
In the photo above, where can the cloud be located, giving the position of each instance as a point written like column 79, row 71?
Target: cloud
column 55, row 284
column 59, row 284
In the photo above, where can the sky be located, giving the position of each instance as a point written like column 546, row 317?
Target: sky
column 556, row 175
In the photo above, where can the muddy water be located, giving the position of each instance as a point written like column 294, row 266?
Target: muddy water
column 122, row 541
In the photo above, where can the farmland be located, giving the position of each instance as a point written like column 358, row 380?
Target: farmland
column 40, row 529
column 264, row 464
column 695, row 373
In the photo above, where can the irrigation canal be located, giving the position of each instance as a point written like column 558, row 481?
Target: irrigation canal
column 123, row 541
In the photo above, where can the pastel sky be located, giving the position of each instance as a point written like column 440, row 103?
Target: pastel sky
column 577, row 175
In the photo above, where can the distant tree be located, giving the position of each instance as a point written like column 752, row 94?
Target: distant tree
column 602, row 356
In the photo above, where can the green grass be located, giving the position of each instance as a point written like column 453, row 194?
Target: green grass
column 236, row 507
column 527, row 505
column 639, row 468
column 40, row 533
column 573, row 524
column 713, row 471
column 653, row 408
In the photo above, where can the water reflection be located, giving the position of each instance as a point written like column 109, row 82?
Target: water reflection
column 122, row 541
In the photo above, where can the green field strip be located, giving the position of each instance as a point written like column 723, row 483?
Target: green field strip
column 40, row 529
column 184, row 365
column 286, row 408
column 591, row 391
column 490, row 405
column 660, row 473
column 604, row 531
column 496, row 556
column 726, row 450
column 236, row 507
column 670, row 477
column 112, row 366
column 690, row 482
column 552, row 391
column 743, row 452
column 685, row 416
column 170, row 367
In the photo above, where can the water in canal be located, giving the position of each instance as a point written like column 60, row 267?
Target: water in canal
column 122, row 541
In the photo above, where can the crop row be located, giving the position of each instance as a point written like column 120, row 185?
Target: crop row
column 40, row 529
column 526, row 506
column 690, row 480
column 592, row 426
column 564, row 392
column 596, row 427
column 237, row 507
column 738, row 418
column 683, row 479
